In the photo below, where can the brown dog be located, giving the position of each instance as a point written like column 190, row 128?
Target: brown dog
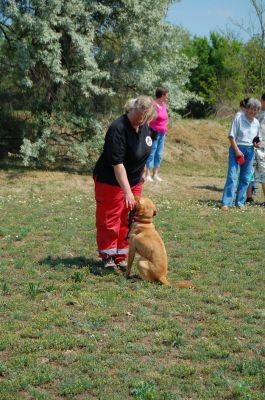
column 146, row 241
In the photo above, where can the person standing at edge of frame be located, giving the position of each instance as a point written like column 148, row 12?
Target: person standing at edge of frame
column 118, row 178
column 159, row 126
column 259, row 173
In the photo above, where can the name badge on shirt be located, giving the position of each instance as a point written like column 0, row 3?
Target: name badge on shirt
column 148, row 141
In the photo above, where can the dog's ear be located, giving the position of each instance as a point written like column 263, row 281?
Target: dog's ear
column 137, row 202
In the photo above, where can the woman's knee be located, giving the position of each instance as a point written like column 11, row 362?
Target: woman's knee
column 232, row 176
column 244, row 181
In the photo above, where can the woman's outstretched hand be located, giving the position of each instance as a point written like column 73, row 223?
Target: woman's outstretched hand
column 129, row 200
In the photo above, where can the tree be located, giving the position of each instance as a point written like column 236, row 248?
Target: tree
column 142, row 51
column 255, row 47
column 50, row 48
column 83, row 59
column 219, row 75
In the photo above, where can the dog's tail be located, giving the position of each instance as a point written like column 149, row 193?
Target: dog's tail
column 183, row 285
column 164, row 281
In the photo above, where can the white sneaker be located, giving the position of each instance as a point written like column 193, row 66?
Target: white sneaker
column 148, row 178
column 109, row 262
column 157, row 178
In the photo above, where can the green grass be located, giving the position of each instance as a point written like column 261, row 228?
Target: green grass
column 68, row 330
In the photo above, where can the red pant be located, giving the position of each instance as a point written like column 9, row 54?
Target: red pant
column 112, row 220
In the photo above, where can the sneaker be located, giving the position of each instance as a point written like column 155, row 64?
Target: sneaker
column 148, row 178
column 109, row 262
column 122, row 265
column 225, row 208
column 157, row 178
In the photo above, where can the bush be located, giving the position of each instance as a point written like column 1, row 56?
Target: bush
column 63, row 139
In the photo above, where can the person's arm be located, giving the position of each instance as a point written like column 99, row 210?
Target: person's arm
column 235, row 126
column 121, row 176
column 234, row 146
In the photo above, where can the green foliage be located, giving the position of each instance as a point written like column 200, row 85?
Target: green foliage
column 63, row 138
column 77, row 276
column 143, row 51
column 219, row 77
column 34, row 289
column 254, row 62
column 145, row 391
column 68, row 57
column 5, row 289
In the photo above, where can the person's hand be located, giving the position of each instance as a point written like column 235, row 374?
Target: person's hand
column 239, row 153
column 129, row 200
column 257, row 145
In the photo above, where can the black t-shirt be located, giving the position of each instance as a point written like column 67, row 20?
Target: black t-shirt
column 123, row 145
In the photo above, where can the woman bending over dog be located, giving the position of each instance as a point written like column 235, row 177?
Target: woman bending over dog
column 118, row 178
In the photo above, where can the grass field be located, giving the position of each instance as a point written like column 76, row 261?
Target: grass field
column 69, row 330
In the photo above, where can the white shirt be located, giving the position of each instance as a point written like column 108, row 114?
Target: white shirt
column 243, row 130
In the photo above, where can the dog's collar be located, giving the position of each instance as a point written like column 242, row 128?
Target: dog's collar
column 135, row 219
column 130, row 222
column 132, row 218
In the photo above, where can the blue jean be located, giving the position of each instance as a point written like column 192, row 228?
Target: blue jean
column 155, row 157
column 244, row 170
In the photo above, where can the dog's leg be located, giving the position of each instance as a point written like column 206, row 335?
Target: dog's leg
column 164, row 281
column 131, row 255
column 144, row 269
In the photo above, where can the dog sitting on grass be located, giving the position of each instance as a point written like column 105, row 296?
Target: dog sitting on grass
column 145, row 240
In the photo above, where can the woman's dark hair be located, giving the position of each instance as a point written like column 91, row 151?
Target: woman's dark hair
column 161, row 91
column 244, row 102
column 263, row 96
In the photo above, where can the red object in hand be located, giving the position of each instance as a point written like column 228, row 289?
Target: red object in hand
column 240, row 160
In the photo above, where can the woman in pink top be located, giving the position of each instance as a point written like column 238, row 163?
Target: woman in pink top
column 159, row 125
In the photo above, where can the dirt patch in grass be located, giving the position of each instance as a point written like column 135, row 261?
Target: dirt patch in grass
column 186, row 187
column 203, row 141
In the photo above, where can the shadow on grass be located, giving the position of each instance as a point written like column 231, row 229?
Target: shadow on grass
column 16, row 169
column 211, row 203
column 218, row 203
column 212, row 188
column 94, row 266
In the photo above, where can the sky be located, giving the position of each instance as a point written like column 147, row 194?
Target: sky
column 200, row 17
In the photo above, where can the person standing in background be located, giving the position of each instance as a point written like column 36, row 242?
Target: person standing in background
column 252, row 188
column 259, row 161
column 242, row 107
column 159, row 126
column 241, row 153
